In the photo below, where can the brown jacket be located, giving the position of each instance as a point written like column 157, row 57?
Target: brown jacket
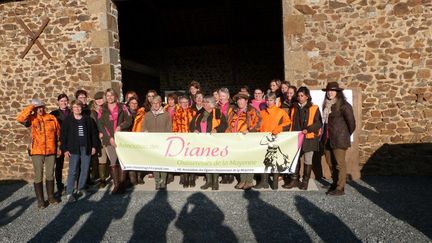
column 159, row 122
column 341, row 124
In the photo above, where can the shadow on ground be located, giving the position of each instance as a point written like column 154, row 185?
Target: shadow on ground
column 103, row 212
column 327, row 225
column 152, row 221
column 402, row 198
column 409, row 159
column 9, row 187
column 201, row 220
column 270, row 224
column 14, row 209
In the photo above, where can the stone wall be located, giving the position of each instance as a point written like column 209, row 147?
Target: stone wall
column 382, row 47
column 82, row 40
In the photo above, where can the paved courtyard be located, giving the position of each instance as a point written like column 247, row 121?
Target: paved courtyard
column 374, row 209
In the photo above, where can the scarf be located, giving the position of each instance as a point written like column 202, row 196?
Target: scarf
column 160, row 111
column 327, row 109
column 205, row 116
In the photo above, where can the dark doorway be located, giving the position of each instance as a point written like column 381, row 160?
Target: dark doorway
column 165, row 44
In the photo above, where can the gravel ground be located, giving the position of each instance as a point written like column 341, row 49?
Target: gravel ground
column 374, row 209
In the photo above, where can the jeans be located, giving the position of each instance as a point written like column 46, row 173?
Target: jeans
column 73, row 168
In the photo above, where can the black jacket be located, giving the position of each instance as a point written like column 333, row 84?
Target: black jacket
column 60, row 115
column 299, row 118
column 69, row 135
column 195, row 123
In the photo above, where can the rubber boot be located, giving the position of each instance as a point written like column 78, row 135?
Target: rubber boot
column 133, row 178
column 306, row 175
column 294, row 182
column 140, row 177
column 50, row 192
column 40, row 195
column 275, row 181
column 224, row 179
column 115, row 174
column 230, row 179
column 185, row 180
column 191, row 180
column 123, row 180
column 215, row 181
column 182, row 178
column 263, row 184
column 170, row 178
column 208, row 183
column 102, row 175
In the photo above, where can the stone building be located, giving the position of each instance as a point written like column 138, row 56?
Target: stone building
column 381, row 49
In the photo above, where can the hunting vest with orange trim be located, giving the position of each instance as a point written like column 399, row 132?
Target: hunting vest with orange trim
column 312, row 112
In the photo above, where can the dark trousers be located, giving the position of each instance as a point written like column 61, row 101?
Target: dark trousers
column 59, row 163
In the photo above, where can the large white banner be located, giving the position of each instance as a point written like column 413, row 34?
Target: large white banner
column 209, row 153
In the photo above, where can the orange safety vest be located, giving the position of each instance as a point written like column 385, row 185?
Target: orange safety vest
column 312, row 111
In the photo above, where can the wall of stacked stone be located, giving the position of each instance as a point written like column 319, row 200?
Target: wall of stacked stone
column 222, row 65
column 80, row 58
column 382, row 47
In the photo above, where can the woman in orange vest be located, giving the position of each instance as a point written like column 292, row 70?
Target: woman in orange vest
column 209, row 120
column 274, row 120
column 305, row 117
column 45, row 132
column 181, row 121
column 244, row 118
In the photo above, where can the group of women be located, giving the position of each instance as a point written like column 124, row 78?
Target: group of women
column 87, row 132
